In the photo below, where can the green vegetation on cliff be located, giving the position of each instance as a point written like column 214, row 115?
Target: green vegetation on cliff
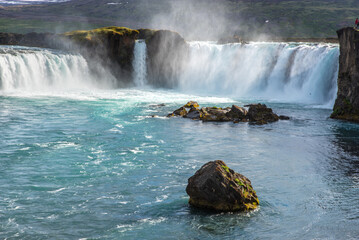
column 89, row 35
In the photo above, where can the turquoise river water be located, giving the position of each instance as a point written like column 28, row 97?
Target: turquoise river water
column 79, row 161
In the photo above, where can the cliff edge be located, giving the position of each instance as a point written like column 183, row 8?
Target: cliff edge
column 346, row 105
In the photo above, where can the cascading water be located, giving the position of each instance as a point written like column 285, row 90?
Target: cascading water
column 273, row 71
column 40, row 69
column 304, row 73
column 139, row 64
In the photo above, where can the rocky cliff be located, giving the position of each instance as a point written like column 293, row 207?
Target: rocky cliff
column 112, row 48
column 346, row 106
column 109, row 47
column 43, row 40
column 167, row 52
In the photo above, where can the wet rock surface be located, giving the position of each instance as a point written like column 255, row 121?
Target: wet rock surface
column 215, row 186
column 346, row 105
column 256, row 113
column 167, row 54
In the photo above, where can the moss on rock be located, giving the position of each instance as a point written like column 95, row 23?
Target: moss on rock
column 216, row 186
column 95, row 34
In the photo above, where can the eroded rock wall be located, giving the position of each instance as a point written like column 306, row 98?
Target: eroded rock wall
column 346, row 106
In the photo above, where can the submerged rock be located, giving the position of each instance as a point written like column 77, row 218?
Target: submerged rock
column 282, row 117
column 216, row 186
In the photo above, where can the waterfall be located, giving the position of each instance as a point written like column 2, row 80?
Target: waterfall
column 305, row 73
column 274, row 71
column 40, row 69
column 139, row 64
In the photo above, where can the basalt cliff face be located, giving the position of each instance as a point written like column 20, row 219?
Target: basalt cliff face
column 346, row 106
column 112, row 49
column 109, row 47
column 167, row 54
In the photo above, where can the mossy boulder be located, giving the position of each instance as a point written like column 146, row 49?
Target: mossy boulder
column 216, row 186
column 178, row 112
column 191, row 104
column 110, row 47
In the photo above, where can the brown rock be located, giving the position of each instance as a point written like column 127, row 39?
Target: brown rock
column 261, row 114
column 194, row 113
column 191, row 104
column 179, row 112
column 237, row 113
column 217, row 187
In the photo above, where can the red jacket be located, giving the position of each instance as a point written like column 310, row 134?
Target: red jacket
column 356, row 22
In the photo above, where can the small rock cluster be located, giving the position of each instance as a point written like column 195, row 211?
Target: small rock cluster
column 256, row 113
column 215, row 186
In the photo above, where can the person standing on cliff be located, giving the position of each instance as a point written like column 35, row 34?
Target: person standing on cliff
column 356, row 23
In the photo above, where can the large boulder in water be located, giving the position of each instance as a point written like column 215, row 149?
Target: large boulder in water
column 216, row 186
column 261, row 114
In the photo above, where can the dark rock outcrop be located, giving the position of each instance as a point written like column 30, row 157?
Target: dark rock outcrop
column 145, row 33
column 237, row 113
column 261, row 114
column 167, row 52
column 216, row 186
column 257, row 113
column 112, row 47
column 43, row 40
column 346, row 105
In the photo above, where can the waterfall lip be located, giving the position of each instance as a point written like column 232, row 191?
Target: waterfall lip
column 31, row 68
column 5, row 49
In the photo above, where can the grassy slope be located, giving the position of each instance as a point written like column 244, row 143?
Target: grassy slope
column 288, row 18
